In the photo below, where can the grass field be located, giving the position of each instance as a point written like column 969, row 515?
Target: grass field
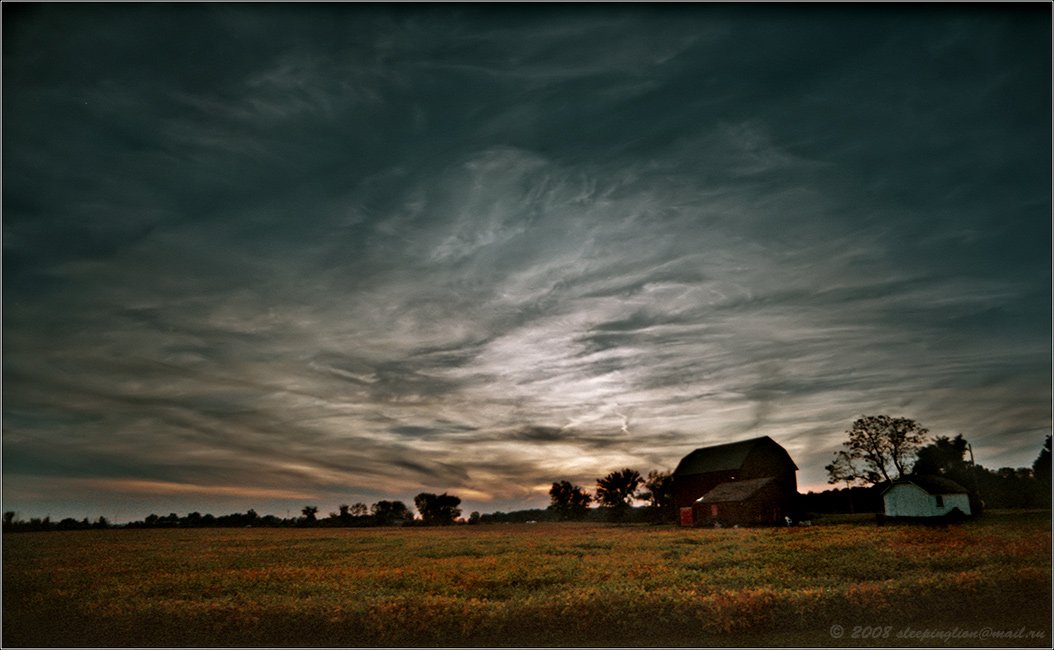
column 984, row 583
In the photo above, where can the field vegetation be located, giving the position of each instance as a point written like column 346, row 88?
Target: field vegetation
column 568, row 584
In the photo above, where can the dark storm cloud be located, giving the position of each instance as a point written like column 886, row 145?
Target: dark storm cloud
column 540, row 434
column 335, row 250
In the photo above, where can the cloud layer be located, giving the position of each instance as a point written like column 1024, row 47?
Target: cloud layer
column 355, row 253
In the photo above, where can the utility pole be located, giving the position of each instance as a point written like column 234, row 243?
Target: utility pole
column 973, row 475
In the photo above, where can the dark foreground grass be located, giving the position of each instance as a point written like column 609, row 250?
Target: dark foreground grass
column 984, row 583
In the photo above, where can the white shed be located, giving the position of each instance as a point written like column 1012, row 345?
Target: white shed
column 925, row 496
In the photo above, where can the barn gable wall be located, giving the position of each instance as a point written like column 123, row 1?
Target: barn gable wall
column 772, row 460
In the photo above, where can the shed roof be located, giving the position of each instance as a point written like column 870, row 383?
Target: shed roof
column 931, row 484
column 734, row 491
column 720, row 458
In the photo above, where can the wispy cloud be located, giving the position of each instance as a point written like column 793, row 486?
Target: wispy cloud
column 383, row 253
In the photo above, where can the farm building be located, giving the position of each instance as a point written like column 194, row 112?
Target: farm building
column 739, row 483
column 925, row 496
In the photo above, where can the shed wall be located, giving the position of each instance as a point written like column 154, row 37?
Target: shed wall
column 767, row 506
column 912, row 501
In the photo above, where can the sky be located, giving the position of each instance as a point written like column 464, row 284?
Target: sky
column 268, row 256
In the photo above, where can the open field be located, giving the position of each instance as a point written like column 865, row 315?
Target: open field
column 544, row 584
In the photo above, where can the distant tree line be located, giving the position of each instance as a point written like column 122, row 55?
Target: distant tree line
column 13, row 524
column 631, row 515
column 435, row 510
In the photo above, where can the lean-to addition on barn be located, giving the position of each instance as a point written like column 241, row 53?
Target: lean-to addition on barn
column 740, row 483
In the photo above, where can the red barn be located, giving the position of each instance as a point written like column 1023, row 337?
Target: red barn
column 740, row 483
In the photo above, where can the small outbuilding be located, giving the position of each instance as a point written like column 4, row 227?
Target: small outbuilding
column 925, row 497
column 749, row 482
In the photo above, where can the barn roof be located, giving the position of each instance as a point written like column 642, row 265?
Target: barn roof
column 734, row 491
column 931, row 484
column 720, row 458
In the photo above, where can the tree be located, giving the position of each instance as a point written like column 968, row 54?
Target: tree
column 309, row 513
column 615, row 491
column 438, row 509
column 473, row 518
column 943, row 457
column 359, row 510
column 1041, row 466
column 881, row 448
column 343, row 514
column 391, row 513
column 569, row 501
column 843, row 470
column 658, row 492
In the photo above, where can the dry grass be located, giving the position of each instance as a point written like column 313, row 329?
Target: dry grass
column 545, row 584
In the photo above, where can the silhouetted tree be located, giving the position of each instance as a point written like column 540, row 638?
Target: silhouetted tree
column 438, row 509
column 658, row 492
column 569, row 501
column 9, row 519
column 615, row 491
column 309, row 513
column 1041, row 466
column 947, row 457
column 881, row 448
column 345, row 514
column 353, row 515
column 391, row 513
column 843, row 470
column 473, row 518
column 943, row 457
column 862, row 498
